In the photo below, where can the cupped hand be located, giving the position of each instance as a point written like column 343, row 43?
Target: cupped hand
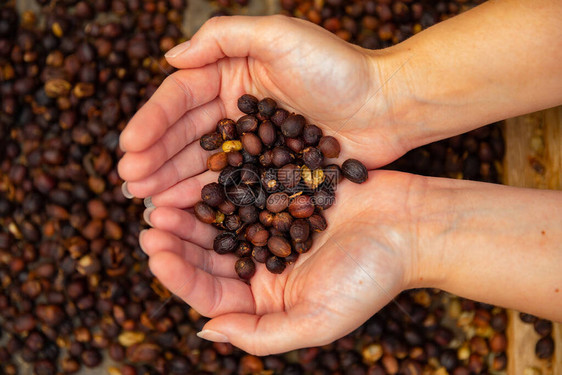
column 335, row 85
column 363, row 259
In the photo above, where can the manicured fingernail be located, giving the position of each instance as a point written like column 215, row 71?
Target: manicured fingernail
column 142, row 232
column 178, row 50
column 126, row 192
column 214, row 336
column 146, row 215
column 148, row 202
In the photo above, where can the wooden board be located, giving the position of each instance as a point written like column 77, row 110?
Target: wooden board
column 533, row 159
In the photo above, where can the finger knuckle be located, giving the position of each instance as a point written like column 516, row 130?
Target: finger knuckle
column 212, row 23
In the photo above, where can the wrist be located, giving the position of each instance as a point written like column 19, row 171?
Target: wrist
column 431, row 202
column 394, row 100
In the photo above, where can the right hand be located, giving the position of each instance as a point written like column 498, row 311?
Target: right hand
column 337, row 86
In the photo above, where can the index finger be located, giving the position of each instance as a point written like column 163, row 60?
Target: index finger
column 179, row 93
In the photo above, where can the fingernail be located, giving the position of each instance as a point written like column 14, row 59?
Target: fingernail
column 142, row 232
column 214, row 336
column 126, row 192
column 177, row 50
column 148, row 202
column 121, row 145
column 146, row 215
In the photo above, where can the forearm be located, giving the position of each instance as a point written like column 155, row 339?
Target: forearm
column 495, row 244
column 499, row 60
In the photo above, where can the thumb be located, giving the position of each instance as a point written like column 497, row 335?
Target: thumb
column 271, row 333
column 230, row 36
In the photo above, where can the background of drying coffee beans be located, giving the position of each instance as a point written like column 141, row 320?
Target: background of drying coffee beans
column 75, row 289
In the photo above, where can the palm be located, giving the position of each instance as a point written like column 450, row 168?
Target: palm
column 334, row 83
column 318, row 92
column 354, row 268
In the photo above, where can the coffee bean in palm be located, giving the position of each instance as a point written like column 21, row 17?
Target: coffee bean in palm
column 248, row 104
column 235, row 158
column 295, row 144
column 232, row 222
column 311, row 135
column 267, row 107
column 248, row 214
column 260, row 254
column 231, row 146
column 267, row 133
column 225, row 243
column 246, row 124
column 282, row 156
column 245, row 268
column 293, row 126
column 275, row 264
column 329, row 146
column 211, row 141
column 257, row 234
column 300, row 230
column 204, row 212
column 303, row 247
column 279, row 117
column 227, row 207
column 266, row 218
column 317, row 223
column 282, row 221
column 244, row 249
column 212, row 194
column 312, row 157
column 217, row 162
column 251, row 143
column 354, row 171
column 227, row 129
column 291, row 258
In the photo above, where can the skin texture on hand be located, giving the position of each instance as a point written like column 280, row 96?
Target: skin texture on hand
column 492, row 243
column 355, row 267
column 305, row 68
column 498, row 60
